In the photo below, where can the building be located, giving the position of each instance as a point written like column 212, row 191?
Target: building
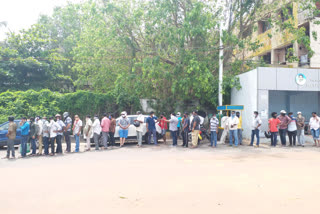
column 276, row 44
column 269, row 89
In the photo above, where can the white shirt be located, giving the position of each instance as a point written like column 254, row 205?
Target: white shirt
column 77, row 125
column 40, row 125
column 53, row 128
column 86, row 128
column 314, row 123
column 233, row 122
column 96, row 126
column 62, row 125
column 255, row 122
column 140, row 118
column 46, row 129
column 292, row 126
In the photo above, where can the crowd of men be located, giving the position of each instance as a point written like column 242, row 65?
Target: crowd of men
column 284, row 124
column 50, row 132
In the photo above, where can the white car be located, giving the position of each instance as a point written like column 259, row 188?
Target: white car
column 132, row 134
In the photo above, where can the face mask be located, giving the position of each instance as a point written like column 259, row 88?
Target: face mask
column 274, row 116
column 109, row 117
column 123, row 116
column 283, row 114
column 232, row 115
column 96, row 118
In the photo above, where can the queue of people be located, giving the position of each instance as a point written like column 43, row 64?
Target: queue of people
column 50, row 132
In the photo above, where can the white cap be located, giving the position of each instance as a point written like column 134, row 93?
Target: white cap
column 299, row 112
column 178, row 114
column 283, row 112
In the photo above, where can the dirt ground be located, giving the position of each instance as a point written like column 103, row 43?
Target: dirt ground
column 164, row 179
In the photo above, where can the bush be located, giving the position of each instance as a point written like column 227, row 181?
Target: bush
column 47, row 103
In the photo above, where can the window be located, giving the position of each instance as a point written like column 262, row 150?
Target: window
column 267, row 58
column 286, row 13
column 263, row 26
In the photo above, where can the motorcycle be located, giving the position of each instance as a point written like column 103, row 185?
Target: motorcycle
column 203, row 133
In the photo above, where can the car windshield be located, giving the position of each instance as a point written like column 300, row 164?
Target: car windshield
column 4, row 127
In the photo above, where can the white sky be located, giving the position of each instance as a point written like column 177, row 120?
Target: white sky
column 20, row 14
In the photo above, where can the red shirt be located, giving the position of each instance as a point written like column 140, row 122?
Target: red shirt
column 163, row 124
column 274, row 124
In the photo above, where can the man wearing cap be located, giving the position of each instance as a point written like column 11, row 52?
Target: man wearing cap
column 59, row 133
column 284, row 122
column 179, row 124
column 300, row 128
column 314, row 126
column 124, row 124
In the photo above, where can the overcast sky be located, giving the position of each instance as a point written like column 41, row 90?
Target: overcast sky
column 21, row 14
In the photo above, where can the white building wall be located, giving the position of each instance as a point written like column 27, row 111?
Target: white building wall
column 246, row 96
column 315, row 44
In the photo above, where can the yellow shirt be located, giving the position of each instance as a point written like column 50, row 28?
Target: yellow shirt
column 240, row 123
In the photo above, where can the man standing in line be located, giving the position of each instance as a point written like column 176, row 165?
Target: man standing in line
column 60, row 133
column 273, row 128
column 179, row 124
column 164, row 126
column 285, row 120
column 40, row 139
column 105, row 125
column 214, row 128
column 87, row 132
column 195, row 128
column 124, row 124
column 67, row 130
column 239, row 128
column 96, row 131
column 232, row 123
column 256, row 123
column 314, row 126
column 300, row 128
column 186, row 129
column 225, row 132
column 139, row 129
column 11, row 135
column 173, row 127
column 25, row 127
column 46, row 136
column 54, row 129
column 77, row 126
column 33, row 136
column 151, row 128
column 112, row 129
column 292, row 129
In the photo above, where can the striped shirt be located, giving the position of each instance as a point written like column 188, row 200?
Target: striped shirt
column 214, row 123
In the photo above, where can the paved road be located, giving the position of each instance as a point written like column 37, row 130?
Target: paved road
column 164, row 179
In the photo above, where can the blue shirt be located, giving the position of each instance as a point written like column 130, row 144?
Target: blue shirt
column 151, row 123
column 179, row 122
column 25, row 129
